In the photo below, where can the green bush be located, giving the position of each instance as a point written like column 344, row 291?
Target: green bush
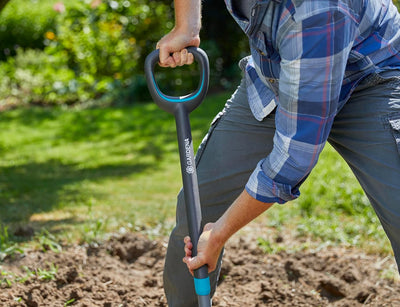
column 23, row 24
column 106, row 45
column 96, row 49
column 109, row 39
column 35, row 77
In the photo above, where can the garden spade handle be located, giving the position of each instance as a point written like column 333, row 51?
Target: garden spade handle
column 180, row 107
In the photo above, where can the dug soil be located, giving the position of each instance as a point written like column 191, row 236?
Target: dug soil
column 126, row 270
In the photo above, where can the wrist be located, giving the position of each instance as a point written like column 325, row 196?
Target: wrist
column 220, row 233
column 191, row 29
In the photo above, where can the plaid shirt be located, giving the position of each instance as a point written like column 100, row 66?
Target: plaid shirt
column 307, row 57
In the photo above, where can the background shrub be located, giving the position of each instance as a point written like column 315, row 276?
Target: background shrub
column 23, row 24
column 32, row 76
column 94, row 51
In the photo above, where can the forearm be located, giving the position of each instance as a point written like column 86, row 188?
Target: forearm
column 244, row 209
column 188, row 15
column 185, row 33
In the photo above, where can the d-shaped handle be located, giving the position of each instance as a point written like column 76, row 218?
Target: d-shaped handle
column 169, row 103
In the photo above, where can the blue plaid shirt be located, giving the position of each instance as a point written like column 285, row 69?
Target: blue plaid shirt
column 307, row 57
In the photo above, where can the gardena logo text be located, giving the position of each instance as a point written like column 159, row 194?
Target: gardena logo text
column 189, row 161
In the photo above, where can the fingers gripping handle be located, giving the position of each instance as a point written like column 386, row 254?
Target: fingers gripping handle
column 169, row 103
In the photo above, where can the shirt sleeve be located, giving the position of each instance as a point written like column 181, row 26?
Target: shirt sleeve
column 313, row 53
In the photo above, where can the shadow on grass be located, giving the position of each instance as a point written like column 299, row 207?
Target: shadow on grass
column 145, row 120
column 37, row 187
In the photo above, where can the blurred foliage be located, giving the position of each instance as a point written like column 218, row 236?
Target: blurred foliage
column 3, row 4
column 92, row 51
column 98, row 47
column 23, row 24
column 109, row 39
column 35, row 77
column 105, row 44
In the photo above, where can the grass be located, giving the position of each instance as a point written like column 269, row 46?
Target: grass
column 7, row 246
column 46, row 274
column 76, row 175
column 81, row 173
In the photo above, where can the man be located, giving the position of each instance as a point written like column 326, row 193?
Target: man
column 319, row 70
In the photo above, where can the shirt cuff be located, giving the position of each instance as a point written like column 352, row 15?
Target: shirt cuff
column 266, row 190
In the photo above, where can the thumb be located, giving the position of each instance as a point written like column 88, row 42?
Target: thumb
column 164, row 55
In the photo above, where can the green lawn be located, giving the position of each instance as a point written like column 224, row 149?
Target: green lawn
column 81, row 174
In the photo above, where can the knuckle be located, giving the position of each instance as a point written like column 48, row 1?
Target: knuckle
column 208, row 226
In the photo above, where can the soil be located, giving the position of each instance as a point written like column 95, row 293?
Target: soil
column 127, row 270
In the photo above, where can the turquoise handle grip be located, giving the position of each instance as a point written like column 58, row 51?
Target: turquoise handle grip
column 202, row 286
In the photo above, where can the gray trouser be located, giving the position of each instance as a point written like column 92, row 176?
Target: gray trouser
column 366, row 133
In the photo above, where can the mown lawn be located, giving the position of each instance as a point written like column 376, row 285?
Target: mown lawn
column 81, row 174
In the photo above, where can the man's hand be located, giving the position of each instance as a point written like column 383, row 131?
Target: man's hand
column 173, row 50
column 184, row 34
column 208, row 250
column 243, row 210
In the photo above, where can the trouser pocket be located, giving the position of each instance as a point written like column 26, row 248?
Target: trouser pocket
column 394, row 122
column 204, row 142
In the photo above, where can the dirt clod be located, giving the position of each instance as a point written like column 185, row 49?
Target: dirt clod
column 24, row 231
column 332, row 288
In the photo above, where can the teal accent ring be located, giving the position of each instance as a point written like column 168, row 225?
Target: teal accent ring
column 202, row 286
column 179, row 99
